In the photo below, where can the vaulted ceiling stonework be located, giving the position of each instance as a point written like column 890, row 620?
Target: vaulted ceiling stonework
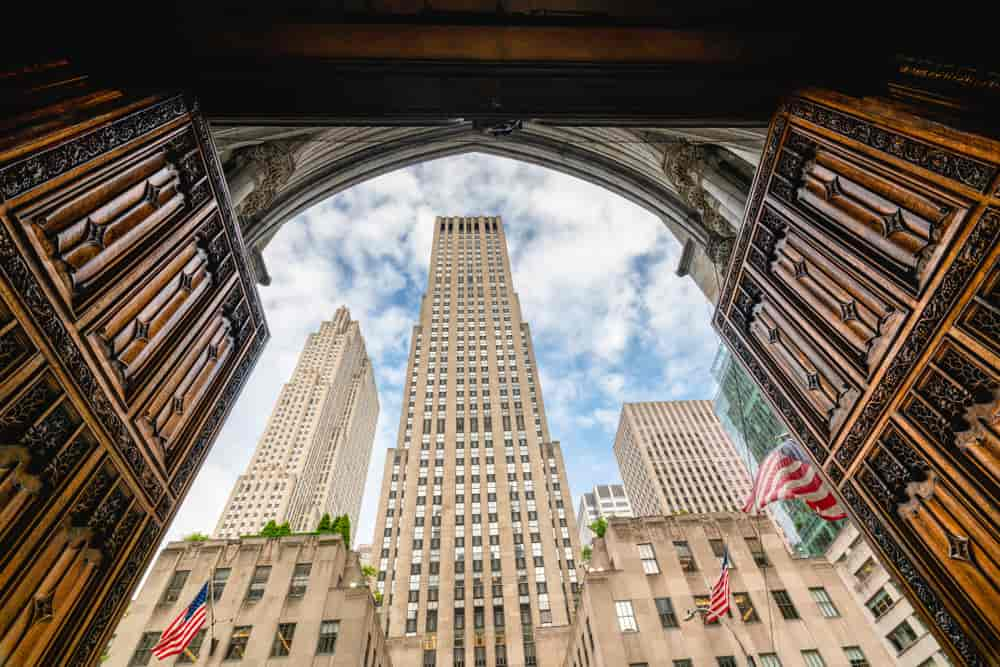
column 695, row 180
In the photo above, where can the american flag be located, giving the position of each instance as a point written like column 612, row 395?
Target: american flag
column 718, row 604
column 183, row 628
column 786, row 474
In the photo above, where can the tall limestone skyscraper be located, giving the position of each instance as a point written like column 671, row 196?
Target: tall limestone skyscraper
column 475, row 541
column 313, row 455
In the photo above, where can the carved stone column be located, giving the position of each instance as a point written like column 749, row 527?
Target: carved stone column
column 259, row 174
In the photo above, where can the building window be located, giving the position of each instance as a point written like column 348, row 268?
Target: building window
column 725, row 661
column 144, row 650
column 757, row 551
column 745, row 605
column 219, row 578
column 501, row 652
column 665, row 608
column 855, row 657
column 812, row 658
column 479, row 656
column 430, row 658
column 193, row 648
column 685, row 557
column 879, row 604
column 174, row 586
column 824, row 602
column 626, row 617
column 769, row 660
column 648, row 556
column 258, row 582
column 863, row 573
column 785, row 605
column 300, row 580
column 458, row 657
column 327, row 644
column 238, row 642
column 902, row 636
column 282, row 644
column 683, row 662
column 718, row 547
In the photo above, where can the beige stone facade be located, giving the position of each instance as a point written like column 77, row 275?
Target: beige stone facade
column 297, row 600
column 313, row 455
column 675, row 457
column 475, row 541
column 647, row 576
column 904, row 635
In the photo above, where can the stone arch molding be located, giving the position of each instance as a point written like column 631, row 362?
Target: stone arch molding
column 695, row 180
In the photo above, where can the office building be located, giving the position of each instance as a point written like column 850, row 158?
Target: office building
column 675, row 458
column 312, row 458
column 904, row 636
column 755, row 430
column 604, row 500
column 475, row 543
column 649, row 576
column 301, row 599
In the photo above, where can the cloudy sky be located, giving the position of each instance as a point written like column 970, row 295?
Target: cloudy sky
column 595, row 274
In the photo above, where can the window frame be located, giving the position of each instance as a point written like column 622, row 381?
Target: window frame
column 668, row 618
column 785, row 605
column 138, row 660
column 825, row 603
column 626, row 621
column 281, row 645
column 232, row 645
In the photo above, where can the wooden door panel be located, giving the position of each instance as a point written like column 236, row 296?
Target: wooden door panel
column 862, row 297
column 129, row 322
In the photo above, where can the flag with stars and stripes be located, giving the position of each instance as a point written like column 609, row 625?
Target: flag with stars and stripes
column 786, row 473
column 718, row 604
column 182, row 630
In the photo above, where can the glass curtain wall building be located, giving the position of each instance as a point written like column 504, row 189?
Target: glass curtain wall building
column 754, row 429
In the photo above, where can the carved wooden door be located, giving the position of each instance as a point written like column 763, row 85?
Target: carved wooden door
column 129, row 322
column 863, row 296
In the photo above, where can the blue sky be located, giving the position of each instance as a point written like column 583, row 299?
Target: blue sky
column 595, row 274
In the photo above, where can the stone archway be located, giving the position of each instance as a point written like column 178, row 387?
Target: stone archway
column 694, row 180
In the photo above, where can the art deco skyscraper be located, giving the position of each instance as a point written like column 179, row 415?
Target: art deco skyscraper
column 313, row 455
column 675, row 456
column 475, row 540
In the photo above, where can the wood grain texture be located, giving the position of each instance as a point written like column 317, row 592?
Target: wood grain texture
column 128, row 325
column 862, row 297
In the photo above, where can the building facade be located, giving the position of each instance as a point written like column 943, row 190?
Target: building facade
column 604, row 500
column 648, row 576
column 675, row 457
column 301, row 598
column 313, row 455
column 755, row 430
column 475, row 539
column 905, row 637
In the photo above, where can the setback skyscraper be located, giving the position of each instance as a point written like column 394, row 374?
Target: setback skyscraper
column 475, row 542
column 675, row 457
column 313, row 455
column 604, row 500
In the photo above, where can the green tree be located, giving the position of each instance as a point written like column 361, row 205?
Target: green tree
column 368, row 571
column 271, row 530
column 378, row 598
column 342, row 525
column 195, row 537
column 586, row 553
column 599, row 527
column 325, row 526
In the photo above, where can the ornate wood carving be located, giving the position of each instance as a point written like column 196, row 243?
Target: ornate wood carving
column 128, row 325
column 867, row 264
